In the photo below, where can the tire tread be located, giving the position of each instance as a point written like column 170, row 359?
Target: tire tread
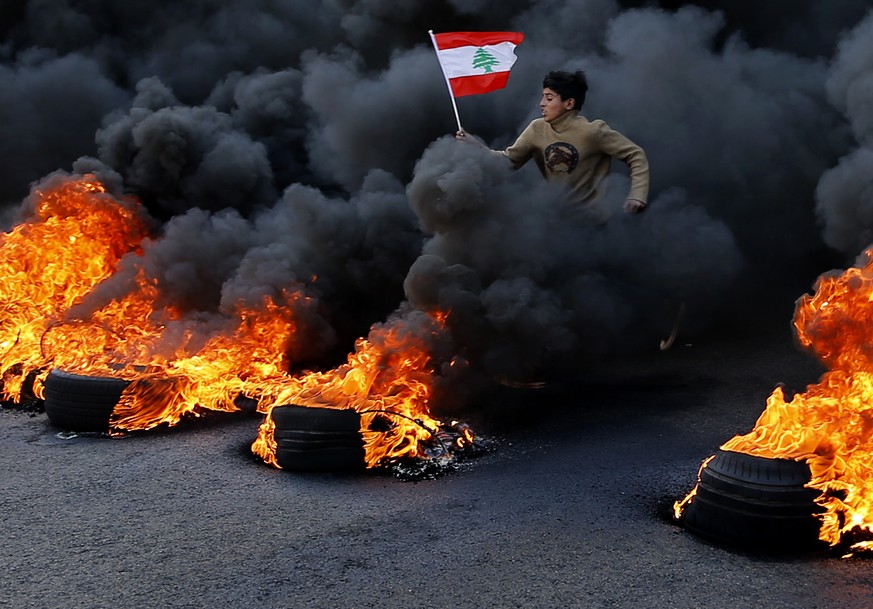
column 755, row 502
column 81, row 403
column 318, row 439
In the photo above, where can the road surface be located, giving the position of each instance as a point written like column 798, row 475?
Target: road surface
column 569, row 509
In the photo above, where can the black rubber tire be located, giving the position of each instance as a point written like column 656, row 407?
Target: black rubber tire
column 81, row 403
column 318, row 439
column 294, row 417
column 756, row 503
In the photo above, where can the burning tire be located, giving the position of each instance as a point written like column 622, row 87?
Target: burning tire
column 318, row 439
column 755, row 502
column 81, row 403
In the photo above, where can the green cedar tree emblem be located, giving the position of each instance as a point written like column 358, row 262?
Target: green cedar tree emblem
column 485, row 60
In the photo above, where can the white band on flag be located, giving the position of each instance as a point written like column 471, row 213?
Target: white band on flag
column 475, row 62
column 461, row 61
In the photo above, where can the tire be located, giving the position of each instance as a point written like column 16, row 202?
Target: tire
column 318, row 439
column 81, row 403
column 756, row 503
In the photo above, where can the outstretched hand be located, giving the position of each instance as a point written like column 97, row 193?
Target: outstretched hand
column 463, row 136
column 634, row 206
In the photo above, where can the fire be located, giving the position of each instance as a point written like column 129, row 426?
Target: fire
column 388, row 377
column 249, row 350
column 182, row 366
column 679, row 506
column 830, row 425
column 74, row 239
column 265, row 445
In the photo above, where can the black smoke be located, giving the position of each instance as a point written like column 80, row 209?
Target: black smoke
column 305, row 146
column 845, row 192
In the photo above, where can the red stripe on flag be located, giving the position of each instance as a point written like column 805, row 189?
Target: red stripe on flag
column 452, row 40
column 483, row 83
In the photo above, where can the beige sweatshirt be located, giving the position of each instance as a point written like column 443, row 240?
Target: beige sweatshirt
column 573, row 150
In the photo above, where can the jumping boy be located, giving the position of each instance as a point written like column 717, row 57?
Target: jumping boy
column 567, row 147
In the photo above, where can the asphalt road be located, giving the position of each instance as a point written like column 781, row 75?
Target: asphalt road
column 568, row 509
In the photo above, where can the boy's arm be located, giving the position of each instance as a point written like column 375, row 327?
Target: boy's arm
column 519, row 153
column 522, row 150
column 620, row 147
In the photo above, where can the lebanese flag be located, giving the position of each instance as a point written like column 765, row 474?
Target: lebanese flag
column 476, row 62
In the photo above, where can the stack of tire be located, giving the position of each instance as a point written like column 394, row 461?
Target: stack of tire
column 318, row 439
column 81, row 403
column 755, row 503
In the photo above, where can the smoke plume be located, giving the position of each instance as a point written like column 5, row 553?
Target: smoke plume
column 306, row 146
column 845, row 193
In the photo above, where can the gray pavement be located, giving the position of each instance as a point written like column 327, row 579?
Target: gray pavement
column 568, row 510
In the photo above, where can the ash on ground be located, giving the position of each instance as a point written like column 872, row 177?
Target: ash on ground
column 444, row 453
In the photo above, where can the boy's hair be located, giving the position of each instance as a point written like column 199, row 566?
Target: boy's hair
column 568, row 85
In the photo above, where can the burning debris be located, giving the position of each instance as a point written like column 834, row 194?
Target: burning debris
column 388, row 381
column 830, row 425
column 74, row 237
column 310, row 438
column 119, row 352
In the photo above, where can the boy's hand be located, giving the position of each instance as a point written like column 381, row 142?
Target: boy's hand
column 634, row 206
column 463, row 136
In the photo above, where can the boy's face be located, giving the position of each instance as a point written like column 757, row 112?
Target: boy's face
column 553, row 106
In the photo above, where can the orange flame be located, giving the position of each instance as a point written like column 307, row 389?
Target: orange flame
column 830, row 426
column 248, row 351
column 75, row 242
column 679, row 506
column 265, row 445
column 389, row 376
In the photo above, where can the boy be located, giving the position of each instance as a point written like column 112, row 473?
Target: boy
column 567, row 147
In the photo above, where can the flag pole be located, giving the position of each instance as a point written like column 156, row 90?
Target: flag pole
column 445, row 76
